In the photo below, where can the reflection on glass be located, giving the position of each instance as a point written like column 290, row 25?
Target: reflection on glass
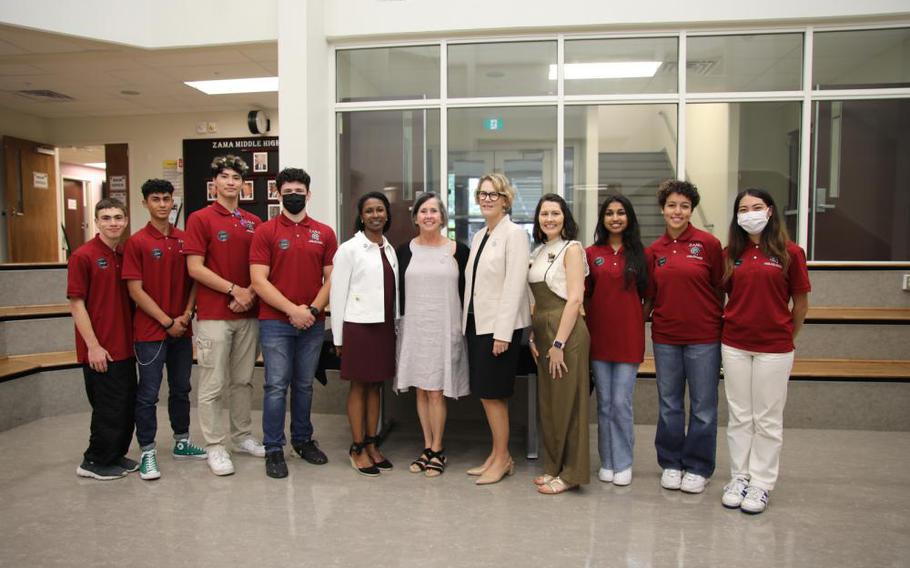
column 387, row 73
column 626, row 149
column 619, row 66
column 769, row 62
column 861, row 59
column 519, row 142
column 860, row 206
column 501, row 69
column 393, row 151
column 734, row 146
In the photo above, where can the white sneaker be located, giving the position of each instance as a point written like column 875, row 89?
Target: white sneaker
column 605, row 475
column 693, row 483
column 623, row 478
column 671, row 478
column 734, row 492
column 251, row 446
column 755, row 500
column 220, row 461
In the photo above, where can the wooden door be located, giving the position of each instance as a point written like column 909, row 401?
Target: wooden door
column 73, row 214
column 31, row 201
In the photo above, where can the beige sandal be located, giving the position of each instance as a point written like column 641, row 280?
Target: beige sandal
column 543, row 479
column 555, row 486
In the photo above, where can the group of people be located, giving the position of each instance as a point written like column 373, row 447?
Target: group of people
column 446, row 320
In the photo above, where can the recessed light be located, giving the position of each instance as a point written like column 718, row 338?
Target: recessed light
column 99, row 165
column 608, row 70
column 131, row 93
column 231, row 86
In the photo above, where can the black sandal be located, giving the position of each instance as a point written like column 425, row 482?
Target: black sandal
column 385, row 464
column 369, row 471
column 420, row 464
column 436, row 464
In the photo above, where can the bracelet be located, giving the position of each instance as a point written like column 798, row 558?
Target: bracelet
column 170, row 325
column 231, row 289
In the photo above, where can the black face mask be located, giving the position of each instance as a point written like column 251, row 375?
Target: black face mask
column 293, row 202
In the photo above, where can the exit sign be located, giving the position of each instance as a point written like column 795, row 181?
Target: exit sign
column 492, row 124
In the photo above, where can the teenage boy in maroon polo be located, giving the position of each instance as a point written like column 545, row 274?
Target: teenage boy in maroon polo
column 102, row 313
column 217, row 246
column 155, row 272
column 290, row 266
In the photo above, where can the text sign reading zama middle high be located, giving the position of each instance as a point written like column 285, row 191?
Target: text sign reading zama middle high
column 492, row 124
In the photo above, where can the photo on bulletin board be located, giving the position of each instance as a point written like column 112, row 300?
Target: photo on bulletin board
column 247, row 193
column 274, row 210
column 210, row 193
column 260, row 162
column 273, row 190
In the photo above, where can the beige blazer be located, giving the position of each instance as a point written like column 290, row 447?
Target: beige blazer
column 500, row 290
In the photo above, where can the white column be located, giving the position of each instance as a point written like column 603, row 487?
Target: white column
column 303, row 101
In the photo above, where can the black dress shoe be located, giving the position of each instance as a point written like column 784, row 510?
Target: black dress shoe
column 275, row 466
column 310, row 452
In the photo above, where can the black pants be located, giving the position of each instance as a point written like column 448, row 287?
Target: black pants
column 113, row 399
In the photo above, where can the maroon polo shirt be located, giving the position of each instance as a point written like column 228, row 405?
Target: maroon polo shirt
column 93, row 275
column 223, row 238
column 686, row 274
column 614, row 315
column 157, row 260
column 757, row 316
column 296, row 254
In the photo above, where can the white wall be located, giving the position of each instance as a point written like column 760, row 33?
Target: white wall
column 152, row 139
column 149, row 23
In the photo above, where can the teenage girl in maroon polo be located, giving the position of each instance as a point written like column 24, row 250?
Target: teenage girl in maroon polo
column 764, row 271
column 686, row 268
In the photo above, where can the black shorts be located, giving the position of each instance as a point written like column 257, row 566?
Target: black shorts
column 491, row 377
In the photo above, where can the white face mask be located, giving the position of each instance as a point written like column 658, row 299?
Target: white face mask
column 753, row 222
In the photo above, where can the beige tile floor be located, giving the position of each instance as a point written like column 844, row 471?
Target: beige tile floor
column 843, row 501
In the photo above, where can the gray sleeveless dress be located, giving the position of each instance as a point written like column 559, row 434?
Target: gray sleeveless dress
column 431, row 349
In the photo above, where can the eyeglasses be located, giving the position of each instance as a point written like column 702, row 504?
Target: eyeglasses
column 490, row 196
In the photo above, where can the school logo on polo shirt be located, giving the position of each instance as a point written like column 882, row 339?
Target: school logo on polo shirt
column 695, row 251
column 599, row 261
column 223, row 236
column 774, row 261
column 315, row 236
column 102, row 263
column 156, row 253
column 284, row 244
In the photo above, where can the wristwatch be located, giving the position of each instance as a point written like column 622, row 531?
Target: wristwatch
column 314, row 310
column 558, row 344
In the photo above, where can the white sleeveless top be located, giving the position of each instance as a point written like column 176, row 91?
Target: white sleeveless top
column 548, row 264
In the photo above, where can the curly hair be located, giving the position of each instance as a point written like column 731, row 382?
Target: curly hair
column 292, row 174
column 229, row 162
column 684, row 188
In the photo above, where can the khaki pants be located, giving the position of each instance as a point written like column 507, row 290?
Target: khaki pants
column 226, row 351
column 756, row 387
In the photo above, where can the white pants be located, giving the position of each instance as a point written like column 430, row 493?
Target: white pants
column 756, row 387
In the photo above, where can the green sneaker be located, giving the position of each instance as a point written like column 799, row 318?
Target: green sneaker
column 148, row 465
column 186, row 450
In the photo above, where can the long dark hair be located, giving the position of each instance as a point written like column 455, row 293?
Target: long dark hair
column 569, row 226
column 633, row 250
column 774, row 237
column 358, row 222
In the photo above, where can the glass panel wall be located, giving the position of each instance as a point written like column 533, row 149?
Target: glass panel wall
column 861, row 59
column 501, row 69
column 387, row 73
column 393, row 151
column 626, row 149
column 743, row 63
column 734, row 146
column 860, row 203
column 620, row 66
column 522, row 146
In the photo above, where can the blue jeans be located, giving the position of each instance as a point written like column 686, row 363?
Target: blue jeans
column 615, row 383
column 290, row 356
column 175, row 353
column 698, row 366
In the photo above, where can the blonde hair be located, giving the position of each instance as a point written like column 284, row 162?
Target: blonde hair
column 502, row 185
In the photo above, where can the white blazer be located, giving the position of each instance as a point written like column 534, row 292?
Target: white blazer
column 357, row 293
column 500, row 290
